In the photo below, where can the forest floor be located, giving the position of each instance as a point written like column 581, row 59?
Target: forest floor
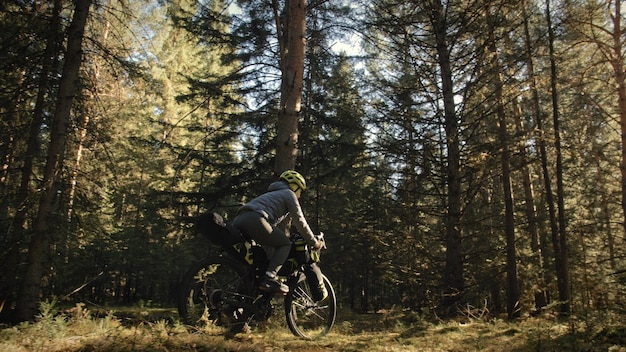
column 139, row 329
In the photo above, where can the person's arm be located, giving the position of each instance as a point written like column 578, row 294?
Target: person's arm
column 285, row 225
column 297, row 217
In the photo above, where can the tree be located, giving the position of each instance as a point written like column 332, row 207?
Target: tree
column 292, row 46
column 453, row 284
column 334, row 155
column 593, row 32
column 24, row 193
column 559, row 239
column 512, row 288
column 599, row 24
column 537, row 242
column 445, row 54
column 39, row 250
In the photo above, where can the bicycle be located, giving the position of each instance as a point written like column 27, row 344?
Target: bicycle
column 221, row 290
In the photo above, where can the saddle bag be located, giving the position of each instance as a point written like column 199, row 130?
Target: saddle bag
column 220, row 233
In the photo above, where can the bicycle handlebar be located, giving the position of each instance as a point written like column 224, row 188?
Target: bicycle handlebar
column 320, row 237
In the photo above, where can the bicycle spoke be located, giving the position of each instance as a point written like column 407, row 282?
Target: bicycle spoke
column 212, row 292
column 305, row 317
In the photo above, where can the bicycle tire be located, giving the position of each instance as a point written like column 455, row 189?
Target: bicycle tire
column 307, row 318
column 206, row 290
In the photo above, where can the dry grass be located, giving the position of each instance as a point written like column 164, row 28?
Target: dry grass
column 79, row 329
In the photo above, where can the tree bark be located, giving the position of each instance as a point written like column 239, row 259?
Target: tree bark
column 32, row 148
column 512, row 287
column 559, row 240
column 39, row 250
column 538, row 240
column 620, row 78
column 453, row 284
column 293, row 46
column 540, row 293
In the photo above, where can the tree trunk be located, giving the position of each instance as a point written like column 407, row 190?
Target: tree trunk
column 292, row 50
column 538, row 243
column 453, row 285
column 620, row 79
column 554, row 230
column 559, row 242
column 512, row 287
column 39, row 250
column 32, row 148
column 531, row 214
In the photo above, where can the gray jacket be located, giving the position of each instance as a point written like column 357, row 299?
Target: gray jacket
column 277, row 205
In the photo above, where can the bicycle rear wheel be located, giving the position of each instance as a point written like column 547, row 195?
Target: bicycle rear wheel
column 213, row 292
column 307, row 318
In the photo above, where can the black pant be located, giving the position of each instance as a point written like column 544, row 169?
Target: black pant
column 257, row 227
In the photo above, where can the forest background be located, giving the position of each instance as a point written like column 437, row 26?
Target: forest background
column 458, row 155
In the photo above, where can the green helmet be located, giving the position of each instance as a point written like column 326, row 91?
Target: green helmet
column 294, row 179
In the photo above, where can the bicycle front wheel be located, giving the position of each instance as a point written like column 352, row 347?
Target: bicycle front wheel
column 307, row 318
column 213, row 292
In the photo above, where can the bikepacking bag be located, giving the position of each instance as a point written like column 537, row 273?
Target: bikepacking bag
column 315, row 279
column 299, row 249
column 213, row 227
column 221, row 233
column 298, row 255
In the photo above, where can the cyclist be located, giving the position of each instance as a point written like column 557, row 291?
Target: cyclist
column 264, row 219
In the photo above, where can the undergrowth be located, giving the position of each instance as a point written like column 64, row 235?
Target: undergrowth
column 144, row 329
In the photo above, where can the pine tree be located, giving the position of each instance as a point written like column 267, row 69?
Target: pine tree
column 39, row 251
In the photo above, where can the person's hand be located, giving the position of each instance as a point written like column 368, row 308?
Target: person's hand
column 319, row 242
column 317, row 245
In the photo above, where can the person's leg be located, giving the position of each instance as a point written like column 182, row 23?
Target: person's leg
column 282, row 246
column 255, row 226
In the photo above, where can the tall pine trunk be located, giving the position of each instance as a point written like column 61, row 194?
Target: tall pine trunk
column 539, row 242
column 540, row 293
column 559, row 240
column 292, row 50
column 39, row 250
column 453, row 284
column 22, row 206
column 512, row 284
column 620, row 78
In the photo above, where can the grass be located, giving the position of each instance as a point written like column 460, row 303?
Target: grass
column 143, row 329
